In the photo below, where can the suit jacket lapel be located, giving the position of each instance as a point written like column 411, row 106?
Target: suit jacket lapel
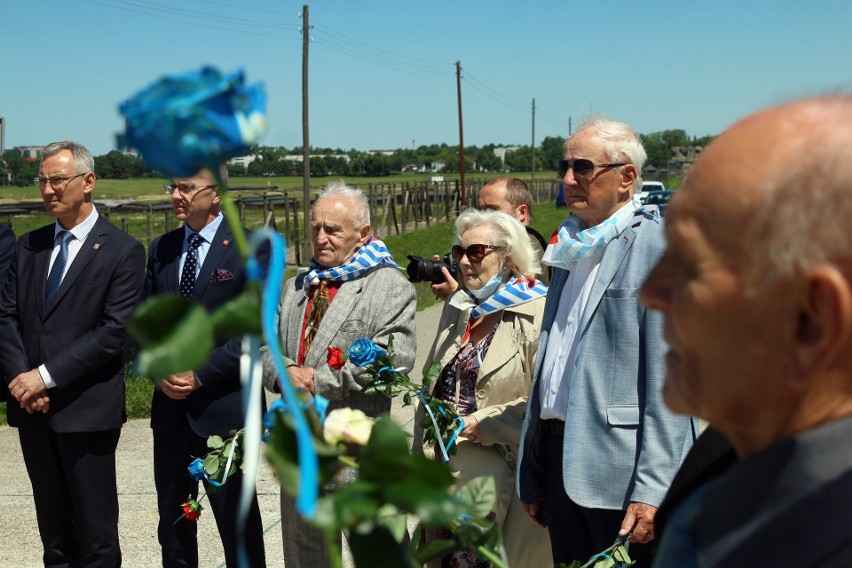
column 88, row 249
column 40, row 246
column 221, row 242
column 613, row 256
column 170, row 249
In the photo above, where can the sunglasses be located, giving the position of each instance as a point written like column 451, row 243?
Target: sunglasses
column 474, row 253
column 582, row 167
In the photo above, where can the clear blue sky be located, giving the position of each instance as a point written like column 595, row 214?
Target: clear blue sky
column 382, row 72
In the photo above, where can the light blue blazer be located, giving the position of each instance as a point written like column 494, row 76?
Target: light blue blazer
column 621, row 443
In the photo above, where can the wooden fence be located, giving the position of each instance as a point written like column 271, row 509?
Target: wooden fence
column 395, row 208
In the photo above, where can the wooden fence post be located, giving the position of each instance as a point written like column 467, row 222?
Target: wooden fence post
column 150, row 219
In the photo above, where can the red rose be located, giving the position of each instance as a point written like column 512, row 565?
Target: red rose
column 336, row 358
column 191, row 509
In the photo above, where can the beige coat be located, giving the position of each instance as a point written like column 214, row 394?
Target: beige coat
column 502, row 389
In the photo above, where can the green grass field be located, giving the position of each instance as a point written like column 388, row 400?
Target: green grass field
column 435, row 239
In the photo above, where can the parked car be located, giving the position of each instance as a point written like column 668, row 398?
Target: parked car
column 659, row 198
column 648, row 187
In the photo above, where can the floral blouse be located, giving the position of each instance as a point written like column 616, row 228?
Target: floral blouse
column 464, row 369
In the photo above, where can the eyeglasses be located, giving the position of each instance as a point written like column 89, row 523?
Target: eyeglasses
column 582, row 167
column 475, row 253
column 56, row 182
column 185, row 188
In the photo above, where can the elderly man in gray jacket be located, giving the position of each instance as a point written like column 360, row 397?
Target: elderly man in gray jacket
column 353, row 289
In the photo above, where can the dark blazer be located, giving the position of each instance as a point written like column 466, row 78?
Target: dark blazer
column 216, row 407
column 7, row 252
column 81, row 338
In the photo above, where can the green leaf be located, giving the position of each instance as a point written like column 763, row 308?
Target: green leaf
column 480, row 494
column 377, row 548
column 239, row 316
column 211, row 464
column 215, row 442
column 432, row 373
column 283, row 454
column 406, row 399
column 176, row 335
column 434, row 548
column 434, row 506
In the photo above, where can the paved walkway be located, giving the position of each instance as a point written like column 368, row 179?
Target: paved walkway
column 21, row 546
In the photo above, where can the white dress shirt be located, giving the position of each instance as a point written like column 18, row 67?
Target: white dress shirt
column 207, row 233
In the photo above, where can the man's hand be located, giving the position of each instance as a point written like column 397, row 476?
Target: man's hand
column 40, row 404
column 639, row 519
column 180, row 385
column 536, row 513
column 302, row 378
column 444, row 289
column 27, row 388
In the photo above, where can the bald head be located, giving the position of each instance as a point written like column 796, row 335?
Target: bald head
column 780, row 185
column 756, row 281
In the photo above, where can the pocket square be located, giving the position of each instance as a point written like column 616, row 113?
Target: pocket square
column 221, row 275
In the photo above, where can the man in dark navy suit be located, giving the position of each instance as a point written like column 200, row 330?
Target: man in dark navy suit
column 69, row 290
column 201, row 261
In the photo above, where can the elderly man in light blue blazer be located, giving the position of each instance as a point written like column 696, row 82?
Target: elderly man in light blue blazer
column 599, row 448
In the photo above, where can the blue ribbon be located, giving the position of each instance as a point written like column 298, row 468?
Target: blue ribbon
column 444, row 457
column 306, row 500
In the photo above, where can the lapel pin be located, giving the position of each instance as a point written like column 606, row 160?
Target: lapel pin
column 226, row 242
column 96, row 246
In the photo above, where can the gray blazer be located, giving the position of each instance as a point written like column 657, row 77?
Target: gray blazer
column 621, row 443
column 378, row 304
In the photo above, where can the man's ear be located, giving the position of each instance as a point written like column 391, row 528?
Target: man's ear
column 522, row 213
column 365, row 233
column 88, row 183
column 824, row 327
column 628, row 177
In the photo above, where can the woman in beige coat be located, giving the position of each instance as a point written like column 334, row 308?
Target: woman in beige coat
column 486, row 345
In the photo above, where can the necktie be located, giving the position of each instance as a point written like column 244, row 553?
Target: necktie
column 190, row 265
column 319, row 304
column 58, row 268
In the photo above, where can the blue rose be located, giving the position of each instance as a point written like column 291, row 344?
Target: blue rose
column 196, row 469
column 195, row 120
column 363, row 352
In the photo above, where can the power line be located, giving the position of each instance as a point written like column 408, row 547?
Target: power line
column 195, row 18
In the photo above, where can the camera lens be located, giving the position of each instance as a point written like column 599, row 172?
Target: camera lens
column 423, row 270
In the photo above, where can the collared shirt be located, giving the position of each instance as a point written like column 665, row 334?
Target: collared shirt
column 207, row 233
column 561, row 350
column 80, row 233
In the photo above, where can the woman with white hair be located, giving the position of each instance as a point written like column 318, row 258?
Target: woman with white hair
column 486, row 345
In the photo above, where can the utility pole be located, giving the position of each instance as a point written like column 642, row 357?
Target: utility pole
column 461, row 135
column 306, row 145
column 532, row 145
column 569, row 126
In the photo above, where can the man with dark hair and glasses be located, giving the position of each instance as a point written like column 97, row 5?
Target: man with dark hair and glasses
column 70, row 288
column 200, row 261
column 509, row 195
column 599, row 448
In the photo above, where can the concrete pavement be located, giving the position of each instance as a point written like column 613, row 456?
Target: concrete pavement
column 21, row 546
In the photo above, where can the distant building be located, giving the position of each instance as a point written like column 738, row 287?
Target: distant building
column 381, row 152
column 501, row 152
column 28, row 152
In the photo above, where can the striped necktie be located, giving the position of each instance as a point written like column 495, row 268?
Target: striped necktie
column 319, row 304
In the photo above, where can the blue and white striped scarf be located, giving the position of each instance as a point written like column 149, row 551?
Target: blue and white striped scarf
column 515, row 292
column 575, row 241
column 373, row 253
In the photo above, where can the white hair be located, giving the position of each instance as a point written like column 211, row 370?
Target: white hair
column 507, row 233
column 619, row 142
column 361, row 209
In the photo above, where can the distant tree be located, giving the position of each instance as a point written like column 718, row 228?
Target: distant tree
column 520, row 160
column 487, row 160
column 658, row 153
column 552, row 150
column 21, row 170
column 672, row 138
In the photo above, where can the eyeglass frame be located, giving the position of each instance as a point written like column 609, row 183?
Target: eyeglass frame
column 169, row 188
column 458, row 252
column 570, row 165
column 41, row 182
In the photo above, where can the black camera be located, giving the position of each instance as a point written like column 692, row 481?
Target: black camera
column 422, row 270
